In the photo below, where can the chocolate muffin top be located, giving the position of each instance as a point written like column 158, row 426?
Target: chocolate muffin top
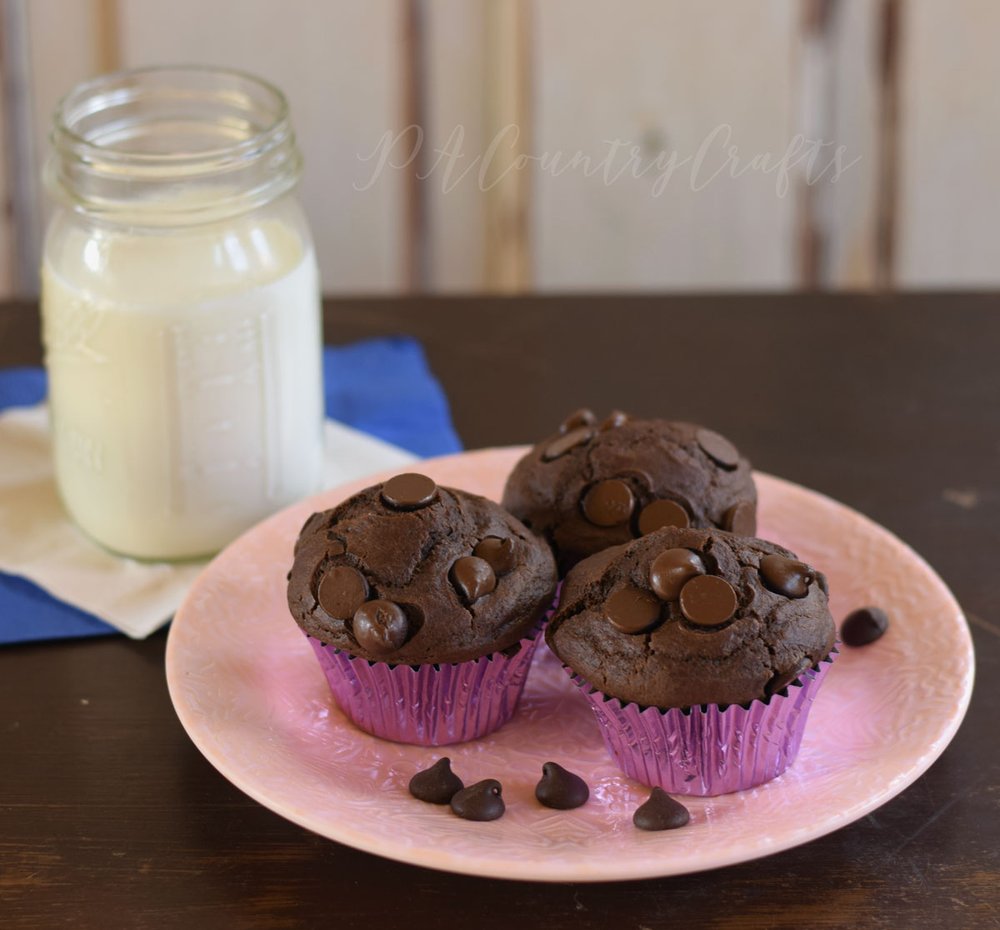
column 409, row 573
column 592, row 485
column 683, row 617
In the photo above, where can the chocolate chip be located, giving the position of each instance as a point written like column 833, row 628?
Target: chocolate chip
column 380, row 626
column 342, row 591
column 498, row 551
column 864, row 626
column 582, row 417
column 708, row 600
column 613, row 420
column 570, row 440
column 436, row 785
column 409, row 491
column 661, row 812
column 741, row 519
column 782, row 680
column 608, row 503
column 663, row 513
column 718, row 448
column 671, row 570
column 335, row 546
column 789, row 577
column 561, row 790
column 632, row 610
column 481, row 801
column 472, row 577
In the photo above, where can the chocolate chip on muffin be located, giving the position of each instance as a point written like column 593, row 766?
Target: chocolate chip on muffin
column 407, row 572
column 593, row 485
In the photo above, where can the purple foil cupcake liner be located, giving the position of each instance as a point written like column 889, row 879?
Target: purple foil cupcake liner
column 429, row 705
column 709, row 749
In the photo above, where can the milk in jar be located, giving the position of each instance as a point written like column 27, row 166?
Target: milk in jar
column 182, row 337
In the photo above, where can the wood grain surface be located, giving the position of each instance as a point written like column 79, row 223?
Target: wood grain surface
column 110, row 817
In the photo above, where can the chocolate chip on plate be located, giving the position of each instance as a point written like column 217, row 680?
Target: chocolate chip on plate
column 608, row 503
column 380, row 626
column 789, row 577
column 632, row 610
column 481, row 801
column 473, row 578
column 436, row 785
column 662, row 513
column 661, row 812
column 708, row 600
column 864, row 626
column 409, row 491
column 560, row 789
column 342, row 590
column 673, row 569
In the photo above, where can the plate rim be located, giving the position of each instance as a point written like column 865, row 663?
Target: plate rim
column 439, row 860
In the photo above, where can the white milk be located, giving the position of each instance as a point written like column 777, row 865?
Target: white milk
column 185, row 381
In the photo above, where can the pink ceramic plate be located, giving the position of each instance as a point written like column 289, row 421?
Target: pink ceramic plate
column 252, row 697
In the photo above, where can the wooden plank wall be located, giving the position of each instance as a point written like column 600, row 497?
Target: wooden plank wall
column 647, row 81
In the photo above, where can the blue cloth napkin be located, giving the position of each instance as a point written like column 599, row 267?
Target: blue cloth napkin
column 382, row 387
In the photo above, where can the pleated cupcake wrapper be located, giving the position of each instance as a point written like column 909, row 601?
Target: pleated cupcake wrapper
column 429, row 705
column 708, row 749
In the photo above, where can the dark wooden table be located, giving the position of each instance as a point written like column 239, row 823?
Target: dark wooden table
column 110, row 817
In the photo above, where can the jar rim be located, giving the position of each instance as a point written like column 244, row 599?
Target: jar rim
column 63, row 123
column 178, row 142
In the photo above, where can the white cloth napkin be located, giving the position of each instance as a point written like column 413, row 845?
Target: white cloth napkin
column 38, row 540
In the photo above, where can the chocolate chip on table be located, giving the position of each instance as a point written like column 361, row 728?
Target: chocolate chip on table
column 481, row 801
column 613, row 420
column 718, row 448
column 570, row 440
column 608, row 503
column 436, row 785
column 741, row 519
column 864, row 626
column 661, row 812
column 380, row 626
column 342, row 590
column 560, row 789
column 671, row 570
column 582, row 417
column 783, row 679
column 409, row 491
column 472, row 577
column 663, row 513
column 789, row 577
column 498, row 551
column 708, row 600
column 632, row 610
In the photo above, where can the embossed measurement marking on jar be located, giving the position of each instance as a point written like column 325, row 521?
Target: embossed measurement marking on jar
column 222, row 415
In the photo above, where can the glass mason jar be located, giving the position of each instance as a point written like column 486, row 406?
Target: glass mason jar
column 180, row 310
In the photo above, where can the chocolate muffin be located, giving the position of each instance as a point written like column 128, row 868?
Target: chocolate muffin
column 685, row 617
column 407, row 572
column 593, row 485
